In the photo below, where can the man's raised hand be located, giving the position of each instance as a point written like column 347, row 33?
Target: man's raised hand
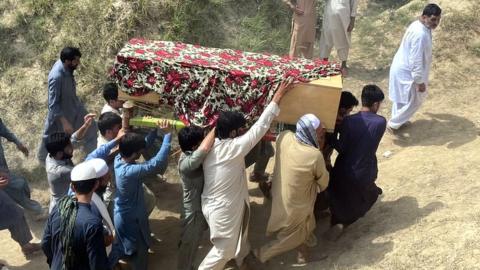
column 88, row 119
column 283, row 88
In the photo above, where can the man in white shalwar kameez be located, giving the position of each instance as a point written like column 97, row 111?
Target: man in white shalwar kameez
column 338, row 22
column 225, row 200
column 411, row 66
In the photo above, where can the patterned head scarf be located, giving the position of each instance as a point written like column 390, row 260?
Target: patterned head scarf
column 306, row 127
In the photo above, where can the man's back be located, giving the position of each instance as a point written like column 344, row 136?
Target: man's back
column 224, row 170
column 360, row 135
column 88, row 245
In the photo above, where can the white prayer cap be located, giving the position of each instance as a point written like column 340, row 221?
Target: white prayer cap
column 312, row 119
column 90, row 169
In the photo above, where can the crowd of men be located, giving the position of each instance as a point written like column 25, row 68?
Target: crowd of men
column 99, row 208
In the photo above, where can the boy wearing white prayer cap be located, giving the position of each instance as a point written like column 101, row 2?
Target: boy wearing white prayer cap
column 73, row 237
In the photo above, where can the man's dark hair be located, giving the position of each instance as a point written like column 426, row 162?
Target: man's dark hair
column 371, row 94
column 227, row 122
column 69, row 53
column 432, row 10
column 84, row 187
column 56, row 142
column 110, row 91
column 108, row 121
column 131, row 143
column 190, row 137
column 347, row 100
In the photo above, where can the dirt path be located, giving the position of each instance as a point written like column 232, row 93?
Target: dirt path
column 428, row 218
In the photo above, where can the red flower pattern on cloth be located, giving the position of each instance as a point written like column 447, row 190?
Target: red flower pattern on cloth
column 199, row 82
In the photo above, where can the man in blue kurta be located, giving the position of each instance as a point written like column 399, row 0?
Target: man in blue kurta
column 352, row 190
column 65, row 110
column 130, row 214
column 73, row 237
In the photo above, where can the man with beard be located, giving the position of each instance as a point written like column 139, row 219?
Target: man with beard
column 65, row 110
column 225, row 199
column 411, row 66
column 58, row 163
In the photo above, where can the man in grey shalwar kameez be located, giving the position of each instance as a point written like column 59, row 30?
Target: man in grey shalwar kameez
column 17, row 187
column 16, row 222
column 191, row 173
column 65, row 110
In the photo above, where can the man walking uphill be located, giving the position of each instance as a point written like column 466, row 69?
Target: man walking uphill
column 65, row 110
column 411, row 66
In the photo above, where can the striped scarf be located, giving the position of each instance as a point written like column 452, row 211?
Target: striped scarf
column 306, row 130
column 68, row 208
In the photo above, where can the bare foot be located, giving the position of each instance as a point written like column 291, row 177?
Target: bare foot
column 302, row 255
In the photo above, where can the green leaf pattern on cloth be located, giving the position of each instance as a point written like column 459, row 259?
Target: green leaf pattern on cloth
column 199, row 82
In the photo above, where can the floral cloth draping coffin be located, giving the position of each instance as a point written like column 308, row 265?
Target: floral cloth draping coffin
column 199, row 82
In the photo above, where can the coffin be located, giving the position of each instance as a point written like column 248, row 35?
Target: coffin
column 199, row 82
column 319, row 97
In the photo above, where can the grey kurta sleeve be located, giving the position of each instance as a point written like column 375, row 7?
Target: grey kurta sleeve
column 193, row 161
column 54, row 97
column 353, row 8
column 7, row 134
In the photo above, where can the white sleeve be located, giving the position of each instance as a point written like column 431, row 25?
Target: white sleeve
column 416, row 57
column 247, row 141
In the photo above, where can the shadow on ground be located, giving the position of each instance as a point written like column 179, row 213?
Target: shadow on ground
column 359, row 240
column 441, row 129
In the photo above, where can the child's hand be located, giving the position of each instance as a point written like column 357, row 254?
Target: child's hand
column 164, row 125
column 88, row 119
column 120, row 134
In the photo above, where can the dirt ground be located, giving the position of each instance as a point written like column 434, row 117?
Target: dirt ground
column 428, row 217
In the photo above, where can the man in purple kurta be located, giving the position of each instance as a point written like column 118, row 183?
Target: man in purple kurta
column 352, row 190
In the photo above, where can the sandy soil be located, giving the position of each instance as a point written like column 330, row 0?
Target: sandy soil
column 428, row 217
